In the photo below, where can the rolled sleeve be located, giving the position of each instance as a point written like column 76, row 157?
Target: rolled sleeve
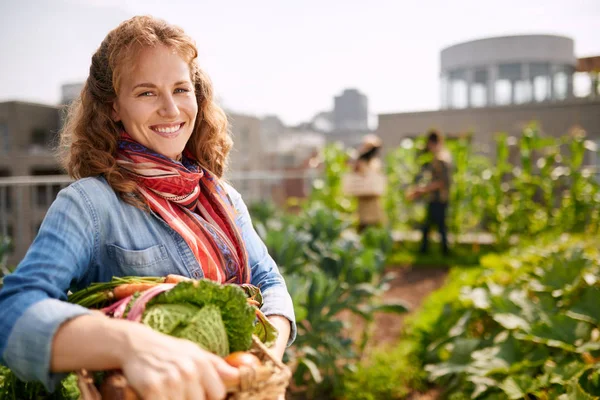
column 265, row 273
column 277, row 301
column 28, row 350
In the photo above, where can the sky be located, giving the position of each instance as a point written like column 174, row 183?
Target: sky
column 283, row 57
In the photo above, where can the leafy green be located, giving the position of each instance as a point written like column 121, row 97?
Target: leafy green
column 206, row 329
column 12, row 388
column 236, row 313
column 166, row 318
column 517, row 331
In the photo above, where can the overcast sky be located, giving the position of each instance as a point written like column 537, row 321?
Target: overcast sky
column 284, row 57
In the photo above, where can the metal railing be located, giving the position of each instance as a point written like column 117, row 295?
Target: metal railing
column 24, row 200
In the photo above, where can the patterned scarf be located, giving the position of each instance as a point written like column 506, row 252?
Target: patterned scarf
column 194, row 203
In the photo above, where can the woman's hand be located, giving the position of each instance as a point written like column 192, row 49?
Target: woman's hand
column 161, row 367
column 414, row 193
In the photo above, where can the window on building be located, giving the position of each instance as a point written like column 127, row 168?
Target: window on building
column 503, row 92
column 458, row 89
column 6, row 229
column 46, row 193
column 5, row 193
column 560, row 89
column 540, row 76
column 541, row 85
column 38, row 136
column 508, row 75
column 582, row 84
column 4, row 138
column 523, row 91
column 479, row 88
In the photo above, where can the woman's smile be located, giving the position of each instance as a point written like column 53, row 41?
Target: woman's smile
column 168, row 130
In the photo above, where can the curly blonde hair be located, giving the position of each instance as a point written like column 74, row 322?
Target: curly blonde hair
column 88, row 139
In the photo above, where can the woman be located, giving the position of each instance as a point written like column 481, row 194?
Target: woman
column 149, row 146
column 368, row 167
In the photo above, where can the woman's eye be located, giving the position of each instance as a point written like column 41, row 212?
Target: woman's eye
column 145, row 94
column 181, row 90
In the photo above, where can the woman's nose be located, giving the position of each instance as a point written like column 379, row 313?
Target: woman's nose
column 168, row 107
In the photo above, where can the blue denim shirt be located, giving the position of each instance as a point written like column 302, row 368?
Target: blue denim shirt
column 90, row 235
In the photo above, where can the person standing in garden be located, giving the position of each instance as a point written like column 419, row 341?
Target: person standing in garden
column 367, row 183
column 433, row 183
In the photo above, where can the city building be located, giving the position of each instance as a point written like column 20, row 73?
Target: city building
column 500, row 85
column 28, row 132
column 351, row 111
column 347, row 123
column 246, row 156
column 70, row 92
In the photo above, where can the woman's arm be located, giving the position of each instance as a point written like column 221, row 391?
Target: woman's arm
column 32, row 301
column 283, row 327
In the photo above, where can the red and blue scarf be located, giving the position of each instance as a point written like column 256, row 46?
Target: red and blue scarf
column 194, row 203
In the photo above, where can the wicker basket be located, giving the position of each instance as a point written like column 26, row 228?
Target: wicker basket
column 267, row 382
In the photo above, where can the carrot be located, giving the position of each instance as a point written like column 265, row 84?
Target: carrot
column 173, row 278
column 127, row 289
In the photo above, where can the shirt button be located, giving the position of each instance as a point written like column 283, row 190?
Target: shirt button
column 196, row 274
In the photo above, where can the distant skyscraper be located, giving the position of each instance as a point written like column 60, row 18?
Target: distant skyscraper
column 351, row 111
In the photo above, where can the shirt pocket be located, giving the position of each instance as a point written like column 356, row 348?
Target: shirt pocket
column 150, row 261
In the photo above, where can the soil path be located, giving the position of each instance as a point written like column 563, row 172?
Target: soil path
column 411, row 285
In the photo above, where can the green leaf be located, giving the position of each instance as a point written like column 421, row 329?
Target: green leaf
column 587, row 306
column 253, row 293
column 563, row 271
column 560, row 374
column 312, row 368
column 576, row 392
column 558, row 331
column 396, row 307
column 589, row 381
column 461, row 325
column 511, row 321
column 165, row 318
column 482, row 385
column 512, row 310
column 207, row 330
column 512, row 388
column 516, row 387
column 460, row 357
column 496, row 359
column 437, row 371
column 264, row 329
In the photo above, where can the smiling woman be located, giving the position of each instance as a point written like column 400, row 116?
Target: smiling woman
column 156, row 102
column 148, row 146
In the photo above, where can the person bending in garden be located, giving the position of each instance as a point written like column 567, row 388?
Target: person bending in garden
column 148, row 146
column 434, row 185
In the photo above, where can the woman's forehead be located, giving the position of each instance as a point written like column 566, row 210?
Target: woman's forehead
column 155, row 63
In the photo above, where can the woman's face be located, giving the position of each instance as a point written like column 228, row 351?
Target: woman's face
column 156, row 101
